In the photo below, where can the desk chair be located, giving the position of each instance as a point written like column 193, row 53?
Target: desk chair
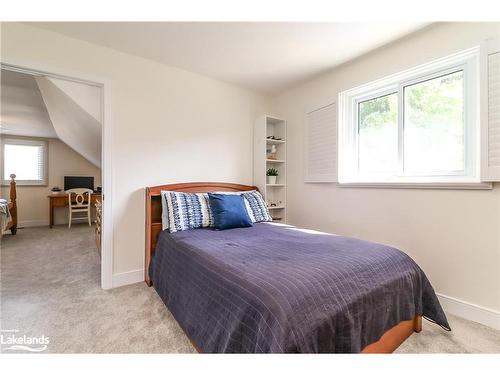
column 80, row 204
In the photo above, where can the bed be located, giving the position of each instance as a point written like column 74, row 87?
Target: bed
column 275, row 288
column 8, row 209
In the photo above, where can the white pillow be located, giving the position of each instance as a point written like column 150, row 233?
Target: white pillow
column 181, row 211
column 256, row 206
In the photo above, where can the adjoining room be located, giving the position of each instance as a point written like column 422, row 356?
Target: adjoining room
column 51, row 178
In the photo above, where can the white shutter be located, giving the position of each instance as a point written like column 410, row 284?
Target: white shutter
column 490, row 110
column 320, row 160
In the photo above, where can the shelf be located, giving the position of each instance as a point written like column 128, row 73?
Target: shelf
column 273, row 120
column 274, row 161
column 277, row 185
column 274, row 141
column 276, row 208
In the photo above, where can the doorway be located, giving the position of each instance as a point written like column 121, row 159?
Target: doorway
column 67, row 95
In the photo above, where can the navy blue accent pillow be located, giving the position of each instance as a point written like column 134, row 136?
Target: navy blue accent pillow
column 229, row 211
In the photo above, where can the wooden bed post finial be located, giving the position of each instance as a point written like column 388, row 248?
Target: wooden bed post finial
column 12, row 187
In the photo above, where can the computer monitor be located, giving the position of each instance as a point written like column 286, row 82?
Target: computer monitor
column 74, row 182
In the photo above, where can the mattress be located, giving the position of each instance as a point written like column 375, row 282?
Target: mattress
column 5, row 217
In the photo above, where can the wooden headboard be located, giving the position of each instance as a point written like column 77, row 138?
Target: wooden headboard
column 154, row 210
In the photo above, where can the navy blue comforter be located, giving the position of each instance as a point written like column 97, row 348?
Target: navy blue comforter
column 275, row 289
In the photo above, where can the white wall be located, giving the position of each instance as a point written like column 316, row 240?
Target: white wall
column 32, row 201
column 86, row 96
column 168, row 125
column 454, row 235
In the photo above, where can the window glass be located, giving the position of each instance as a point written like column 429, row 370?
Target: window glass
column 434, row 126
column 378, row 134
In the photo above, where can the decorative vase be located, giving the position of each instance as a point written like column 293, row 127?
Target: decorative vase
column 271, row 180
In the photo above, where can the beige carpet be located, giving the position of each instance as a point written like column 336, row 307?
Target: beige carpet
column 50, row 284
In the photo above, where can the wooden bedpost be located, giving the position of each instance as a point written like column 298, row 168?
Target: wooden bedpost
column 417, row 324
column 13, row 209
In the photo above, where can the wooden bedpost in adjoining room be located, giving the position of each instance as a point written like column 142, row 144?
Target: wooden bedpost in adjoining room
column 13, row 206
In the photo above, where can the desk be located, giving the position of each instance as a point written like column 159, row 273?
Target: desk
column 61, row 200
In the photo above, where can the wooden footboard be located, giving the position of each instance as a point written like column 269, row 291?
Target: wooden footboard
column 395, row 336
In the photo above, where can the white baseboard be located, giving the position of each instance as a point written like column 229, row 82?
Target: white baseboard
column 126, row 278
column 470, row 311
column 32, row 223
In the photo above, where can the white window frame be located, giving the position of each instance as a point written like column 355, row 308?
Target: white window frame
column 348, row 151
column 26, row 142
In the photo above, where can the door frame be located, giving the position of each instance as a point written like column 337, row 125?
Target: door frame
column 35, row 68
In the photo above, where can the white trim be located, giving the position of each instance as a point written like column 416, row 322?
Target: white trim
column 470, row 311
column 33, row 67
column 422, row 70
column 127, row 278
column 420, row 185
column 107, row 189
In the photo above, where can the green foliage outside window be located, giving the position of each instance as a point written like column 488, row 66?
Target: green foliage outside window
column 437, row 102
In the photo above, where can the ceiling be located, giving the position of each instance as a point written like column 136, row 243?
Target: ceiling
column 23, row 110
column 265, row 57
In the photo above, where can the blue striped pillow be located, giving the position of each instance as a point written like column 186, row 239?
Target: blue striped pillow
column 256, row 207
column 182, row 211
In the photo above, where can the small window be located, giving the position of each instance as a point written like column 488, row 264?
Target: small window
column 27, row 159
column 416, row 127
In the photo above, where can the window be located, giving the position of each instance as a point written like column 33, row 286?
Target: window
column 416, row 127
column 27, row 159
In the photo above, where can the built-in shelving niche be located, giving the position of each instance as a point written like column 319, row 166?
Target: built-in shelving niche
column 270, row 152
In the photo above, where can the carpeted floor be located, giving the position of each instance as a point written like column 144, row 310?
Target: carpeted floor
column 50, row 284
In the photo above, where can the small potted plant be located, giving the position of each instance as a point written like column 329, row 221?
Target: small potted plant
column 272, row 174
